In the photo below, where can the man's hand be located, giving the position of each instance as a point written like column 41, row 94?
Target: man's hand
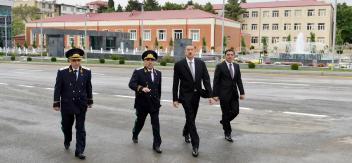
column 216, row 99
column 176, row 103
column 56, row 108
column 146, row 90
column 242, row 97
column 211, row 102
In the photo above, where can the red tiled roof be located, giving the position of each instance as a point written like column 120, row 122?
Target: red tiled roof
column 135, row 15
column 278, row 3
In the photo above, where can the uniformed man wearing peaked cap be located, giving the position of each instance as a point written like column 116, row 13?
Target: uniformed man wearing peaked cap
column 146, row 82
column 72, row 96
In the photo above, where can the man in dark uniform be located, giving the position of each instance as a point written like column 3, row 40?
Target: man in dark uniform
column 227, row 82
column 146, row 82
column 189, row 73
column 72, row 96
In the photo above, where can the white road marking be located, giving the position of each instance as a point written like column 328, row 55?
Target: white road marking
column 49, row 89
column 27, row 86
column 95, row 93
column 284, row 84
column 306, row 114
column 242, row 108
column 4, row 84
column 123, row 96
column 98, row 74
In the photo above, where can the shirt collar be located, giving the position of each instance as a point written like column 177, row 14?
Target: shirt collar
column 188, row 60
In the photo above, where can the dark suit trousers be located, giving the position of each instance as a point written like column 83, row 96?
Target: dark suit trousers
column 230, row 110
column 139, row 123
column 190, row 105
column 67, row 123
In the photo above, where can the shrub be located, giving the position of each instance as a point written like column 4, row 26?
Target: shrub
column 102, row 60
column 29, row 59
column 122, row 60
column 252, row 47
column 115, row 57
column 167, row 58
column 13, row 57
column 53, row 59
column 294, row 66
column 251, row 65
column 163, row 63
column 2, row 54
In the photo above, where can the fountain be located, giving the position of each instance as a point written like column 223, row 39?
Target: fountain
column 300, row 54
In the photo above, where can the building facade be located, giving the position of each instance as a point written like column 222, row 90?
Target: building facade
column 65, row 9
column 5, row 23
column 160, row 28
column 282, row 21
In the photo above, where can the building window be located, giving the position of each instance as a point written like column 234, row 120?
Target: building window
column 322, row 12
column 310, row 12
column 254, row 27
column 246, row 15
column 287, row 26
column 178, row 34
column 254, row 14
column 244, row 27
column 287, row 13
column 43, row 5
column 64, row 8
column 147, row 35
column 71, row 40
column 298, row 12
column 275, row 27
column 194, row 34
column 254, row 40
column 284, row 39
column 321, row 26
column 133, row 34
column 321, row 39
column 119, row 30
column 72, row 9
column 161, row 35
column 310, row 26
column 265, row 27
column 266, row 14
column 297, row 26
column 275, row 40
column 275, row 13
column 81, row 40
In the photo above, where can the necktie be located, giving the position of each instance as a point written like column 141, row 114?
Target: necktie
column 231, row 71
column 192, row 71
column 76, row 73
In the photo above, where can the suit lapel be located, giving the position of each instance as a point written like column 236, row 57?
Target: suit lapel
column 197, row 68
column 185, row 63
column 226, row 69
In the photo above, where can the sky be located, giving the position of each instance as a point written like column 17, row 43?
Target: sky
column 124, row 2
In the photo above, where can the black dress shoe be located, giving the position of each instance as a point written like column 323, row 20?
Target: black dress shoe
column 195, row 152
column 80, row 156
column 135, row 140
column 157, row 149
column 187, row 139
column 67, row 145
column 228, row 138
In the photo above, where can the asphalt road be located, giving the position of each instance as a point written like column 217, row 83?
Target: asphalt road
column 285, row 118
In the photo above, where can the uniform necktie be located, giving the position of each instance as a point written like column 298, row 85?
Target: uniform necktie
column 231, row 71
column 192, row 71
column 76, row 73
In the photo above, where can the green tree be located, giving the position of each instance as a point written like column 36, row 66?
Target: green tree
column 233, row 9
column 172, row 6
column 111, row 4
column 133, row 5
column 225, row 42
column 190, row 2
column 344, row 22
column 243, row 44
column 208, row 7
column 171, row 43
column 312, row 37
column 289, row 38
column 17, row 26
column 151, row 5
column 119, row 8
column 243, row 1
column 265, row 45
column 156, row 43
column 26, row 13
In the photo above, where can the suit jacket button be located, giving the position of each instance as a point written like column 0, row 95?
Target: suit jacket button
column 73, row 99
column 73, row 91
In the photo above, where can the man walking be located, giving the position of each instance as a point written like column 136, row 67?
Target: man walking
column 189, row 73
column 146, row 82
column 227, row 82
column 72, row 96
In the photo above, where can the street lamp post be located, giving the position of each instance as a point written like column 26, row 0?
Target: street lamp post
column 6, row 34
column 85, row 35
column 334, row 36
column 142, row 28
column 222, row 27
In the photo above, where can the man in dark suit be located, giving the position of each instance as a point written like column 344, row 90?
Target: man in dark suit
column 146, row 82
column 227, row 78
column 189, row 73
column 72, row 96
